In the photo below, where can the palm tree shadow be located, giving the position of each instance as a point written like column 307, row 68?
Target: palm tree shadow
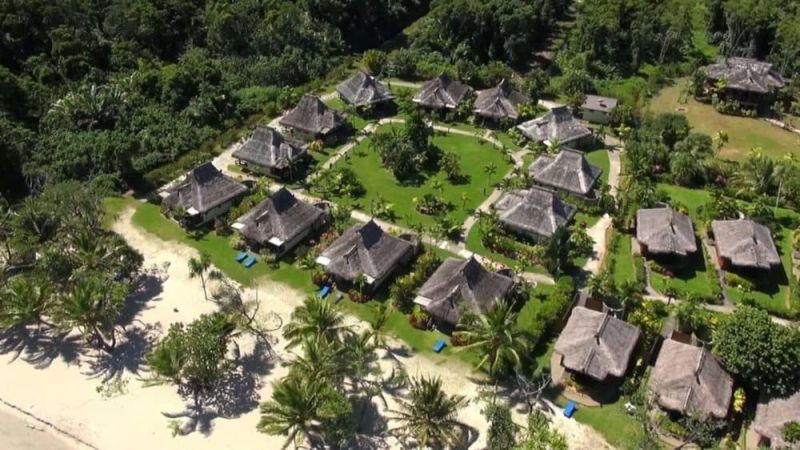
column 128, row 356
column 371, row 426
column 145, row 289
column 39, row 347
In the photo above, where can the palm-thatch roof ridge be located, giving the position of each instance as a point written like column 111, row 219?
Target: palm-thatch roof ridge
column 557, row 125
column 772, row 414
column 665, row 231
column 203, row 189
column 459, row 283
column 745, row 243
column 269, row 149
column 596, row 344
column 689, row 380
column 568, row 170
column 534, row 211
column 363, row 89
column 442, row 92
column 500, row 102
column 364, row 249
column 280, row 218
column 313, row 116
column 746, row 74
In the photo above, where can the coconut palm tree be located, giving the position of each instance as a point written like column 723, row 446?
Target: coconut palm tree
column 496, row 338
column 429, row 416
column 93, row 305
column 315, row 320
column 198, row 268
column 292, row 412
column 489, row 169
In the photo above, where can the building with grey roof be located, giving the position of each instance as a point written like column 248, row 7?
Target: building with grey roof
column 312, row 119
column 535, row 213
column 566, row 171
column 268, row 152
column 772, row 415
column 665, row 232
column 363, row 89
column 558, row 125
column 500, row 102
column 442, row 93
column 744, row 244
column 748, row 81
column 597, row 109
column 202, row 195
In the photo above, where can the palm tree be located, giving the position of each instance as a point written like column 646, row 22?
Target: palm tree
column 315, row 320
column 721, row 138
column 496, row 338
column 292, row 412
column 629, row 296
column 429, row 415
column 198, row 268
column 489, row 169
column 291, row 163
column 93, row 306
column 464, row 199
column 757, row 172
column 438, row 186
column 24, row 301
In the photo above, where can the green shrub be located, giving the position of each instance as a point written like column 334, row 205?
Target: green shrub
column 738, row 282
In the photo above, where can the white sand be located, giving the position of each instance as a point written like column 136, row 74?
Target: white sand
column 64, row 392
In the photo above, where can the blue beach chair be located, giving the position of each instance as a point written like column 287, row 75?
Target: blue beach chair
column 570, row 409
column 249, row 262
column 241, row 256
column 440, row 344
column 324, row 291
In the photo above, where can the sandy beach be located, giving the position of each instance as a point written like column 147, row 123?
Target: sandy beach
column 57, row 381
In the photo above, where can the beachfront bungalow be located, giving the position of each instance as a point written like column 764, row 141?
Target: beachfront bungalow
column 312, row 119
column 772, row 415
column 203, row 195
column 499, row 103
column 558, row 125
column 366, row 250
column 744, row 245
column 688, row 380
column 462, row 284
column 363, row 90
column 280, row 222
column 594, row 350
column 748, row 81
column 665, row 234
column 441, row 94
column 567, row 171
column 536, row 214
column 597, row 109
column 269, row 153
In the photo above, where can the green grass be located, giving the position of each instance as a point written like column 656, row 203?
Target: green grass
column 600, row 159
column 506, row 140
column 743, row 133
column 474, row 157
column 620, row 429
column 474, row 244
column 114, row 206
column 693, row 278
column 588, row 219
column 622, row 259
column 356, row 121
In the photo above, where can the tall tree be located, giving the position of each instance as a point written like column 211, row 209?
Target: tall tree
column 198, row 267
column 496, row 338
column 315, row 320
column 429, row 416
column 93, row 305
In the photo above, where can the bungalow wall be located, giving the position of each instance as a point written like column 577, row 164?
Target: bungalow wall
column 593, row 116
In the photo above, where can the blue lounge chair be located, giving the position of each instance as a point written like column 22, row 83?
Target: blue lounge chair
column 570, row 409
column 439, row 345
column 250, row 261
column 241, row 256
column 324, row 291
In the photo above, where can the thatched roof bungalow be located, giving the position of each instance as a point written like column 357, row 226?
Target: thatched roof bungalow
column 442, row 92
column 202, row 195
column 268, row 152
column 535, row 212
column 567, row 171
column 558, row 125
column 772, row 414
column 666, row 232
column 747, row 80
column 362, row 89
column 500, row 102
column 312, row 119
column 744, row 244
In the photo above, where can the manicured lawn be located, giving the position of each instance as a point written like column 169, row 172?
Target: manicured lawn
column 743, row 133
column 503, row 137
column 474, row 156
column 589, row 220
column 622, row 259
column 357, row 121
column 474, row 244
column 114, row 207
column 693, row 278
column 599, row 158
column 619, row 428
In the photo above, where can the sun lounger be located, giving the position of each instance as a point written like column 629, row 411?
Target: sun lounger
column 241, row 256
column 439, row 345
column 569, row 410
column 249, row 262
column 324, row 291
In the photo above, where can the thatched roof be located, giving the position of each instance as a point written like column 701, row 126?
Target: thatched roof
column 556, row 125
column 568, row 170
column 745, row 243
column 689, row 380
column 363, row 89
column 596, row 344
column 364, row 249
column 442, row 92
column 268, row 148
column 203, row 189
column 313, row 116
column 772, row 414
column 500, row 102
column 459, row 283
column 599, row 103
column 280, row 218
column 746, row 74
column 665, row 231
column 535, row 211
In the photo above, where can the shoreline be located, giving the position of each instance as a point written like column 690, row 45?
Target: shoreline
column 22, row 430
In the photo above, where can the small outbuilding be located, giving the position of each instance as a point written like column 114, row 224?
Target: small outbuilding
column 442, row 93
column 597, row 109
column 362, row 90
column 203, row 195
column 462, row 284
column 269, row 153
column 689, row 380
column 280, row 222
column 772, row 415
column 312, row 119
column 567, row 171
column 535, row 213
column 665, row 233
column 500, row 102
column 558, row 125
column 744, row 244
column 366, row 250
